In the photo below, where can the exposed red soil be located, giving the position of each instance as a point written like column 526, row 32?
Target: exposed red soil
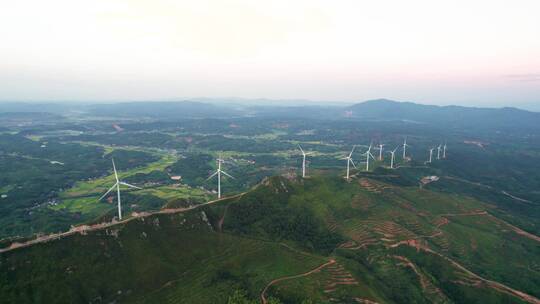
column 426, row 284
column 491, row 284
column 317, row 269
column 441, row 221
column 515, row 229
column 83, row 229
column 365, row 301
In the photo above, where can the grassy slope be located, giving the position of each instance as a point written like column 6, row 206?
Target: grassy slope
column 83, row 197
column 181, row 260
column 376, row 215
column 171, row 258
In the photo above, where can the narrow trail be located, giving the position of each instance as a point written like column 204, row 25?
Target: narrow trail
column 492, row 284
column 472, row 213
column 516, row 198
column 490, row 188
column 515, row 229
column 222, row 220
column 425, row 282
column 87, row 228
column 467, row 182
column 263, row 293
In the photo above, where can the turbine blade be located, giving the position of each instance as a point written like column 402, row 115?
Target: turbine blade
column 131, row 186
column 352, row 162
column 301, row 150
column 352, row 151
column 212, row 175
column 228, row 174
column 108, row 191
column 114, row 169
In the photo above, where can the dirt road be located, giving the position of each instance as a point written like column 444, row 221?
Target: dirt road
column 88, row 228
column 263, row 293
column 492, row 284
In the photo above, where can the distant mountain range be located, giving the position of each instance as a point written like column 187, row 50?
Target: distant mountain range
column 383, row 109
column 163, row 110
column 371, row 110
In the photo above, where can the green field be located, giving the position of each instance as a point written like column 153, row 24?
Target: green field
column 469, row 236
column 83, row 197
column 389, row 244
column 100, row 185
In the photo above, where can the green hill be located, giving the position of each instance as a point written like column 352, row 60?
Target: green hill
column 320, row 239
column 452, row 116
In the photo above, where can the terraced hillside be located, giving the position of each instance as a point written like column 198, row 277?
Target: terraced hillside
column 319, row 239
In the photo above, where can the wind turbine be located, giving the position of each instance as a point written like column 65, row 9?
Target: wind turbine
column 117, row 185
column 303, row 161
column 218, row 173
column 368, row 155
column 393, row 154
column 350, row 161
column 444, row 151
column 430, row 154
column 405, row 145
column 439, row 152
column 380, row 151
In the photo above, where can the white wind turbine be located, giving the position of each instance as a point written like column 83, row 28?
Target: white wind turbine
column 380, row 151
column 117, row 185
column 405, row 145
column 350, row 161
column 444, row 151
column 218, row 173
column 430, row 154
column 303, row 161
column 393, row 157
column 439, row 152
column 368, row 155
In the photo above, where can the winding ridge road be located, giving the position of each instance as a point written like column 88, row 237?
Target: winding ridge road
column 263, row 293
column 86, row 228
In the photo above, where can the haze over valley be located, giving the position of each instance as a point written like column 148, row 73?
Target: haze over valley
column 274, row 152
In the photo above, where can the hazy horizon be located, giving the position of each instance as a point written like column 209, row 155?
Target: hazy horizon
column 534, row 107
column 481, row 53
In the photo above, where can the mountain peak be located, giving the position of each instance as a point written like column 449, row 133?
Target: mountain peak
column 385, row 109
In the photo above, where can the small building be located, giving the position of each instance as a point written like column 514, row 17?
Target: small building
column 3, row 196
column 176, row 177
column 429, row 179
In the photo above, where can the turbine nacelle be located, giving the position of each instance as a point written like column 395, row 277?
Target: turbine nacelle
column 368, row 154
column 117, row 186
column 218, row 173
column 349, row 162
column 304, row 154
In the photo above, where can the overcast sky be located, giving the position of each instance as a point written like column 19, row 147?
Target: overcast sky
column 472, row 52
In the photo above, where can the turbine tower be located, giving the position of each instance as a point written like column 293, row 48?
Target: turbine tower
column 350, row 161
column 117, row 185
column 218, row 173
column 303, row 161
column 430, row 155
column 439, row 152
column 393, row 157
column 380, row 151
column 444, row 151
column 405, row 145
column 368, row 155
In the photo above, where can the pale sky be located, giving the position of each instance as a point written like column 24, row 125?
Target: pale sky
column 473, row 52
